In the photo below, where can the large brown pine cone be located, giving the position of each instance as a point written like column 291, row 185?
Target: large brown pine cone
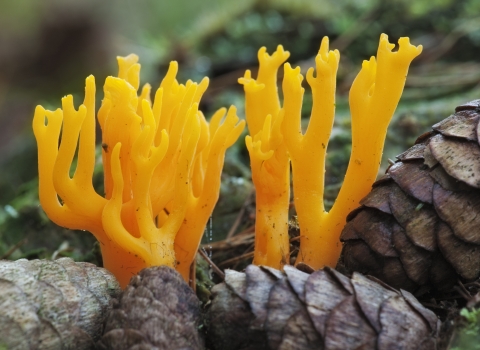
column 51, row 305
column 419, row 227
column 157, row 310
column 266, row 309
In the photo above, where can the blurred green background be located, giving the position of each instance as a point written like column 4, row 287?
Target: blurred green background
column 49, row 47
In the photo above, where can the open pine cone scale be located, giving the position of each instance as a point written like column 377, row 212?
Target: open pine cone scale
column 265, row 309
column 418, row 229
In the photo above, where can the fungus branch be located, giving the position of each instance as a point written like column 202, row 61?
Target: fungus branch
column 162, row 165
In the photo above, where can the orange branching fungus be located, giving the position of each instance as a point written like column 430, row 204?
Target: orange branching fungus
column 269, row 160
column 374, row 96
column 162, row 163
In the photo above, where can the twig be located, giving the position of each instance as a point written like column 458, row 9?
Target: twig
column 239, row 239
column 246, row 203
column 472, row 284
column 460, row 288
column 245, row 252
column 236, row 259
column 12, row 249
column 215, row 268
column 249, row 229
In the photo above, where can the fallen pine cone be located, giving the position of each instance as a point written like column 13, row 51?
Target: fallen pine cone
column 157, row 310
column 266, row 309
column 51, row 305
column 418, row 229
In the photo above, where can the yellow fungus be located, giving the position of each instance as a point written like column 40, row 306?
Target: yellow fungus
column 162, row 164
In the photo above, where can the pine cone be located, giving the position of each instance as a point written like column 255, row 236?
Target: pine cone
column 418, row 229
column 56, row 304
column 266, row 309
column 157, row 310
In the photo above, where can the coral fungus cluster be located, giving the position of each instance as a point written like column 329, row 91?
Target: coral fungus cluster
column 162, row 160
column 162, row 163
column 277, row 139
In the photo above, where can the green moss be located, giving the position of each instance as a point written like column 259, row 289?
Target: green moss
column 467, row 337
column 203, row 280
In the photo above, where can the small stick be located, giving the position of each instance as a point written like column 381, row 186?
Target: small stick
column 234, row 227
column 241, row 238
column 249, row 229
column 212, row 264
column 12, row 249
column 243, row 256
column 460, row 288
column 249, row 249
